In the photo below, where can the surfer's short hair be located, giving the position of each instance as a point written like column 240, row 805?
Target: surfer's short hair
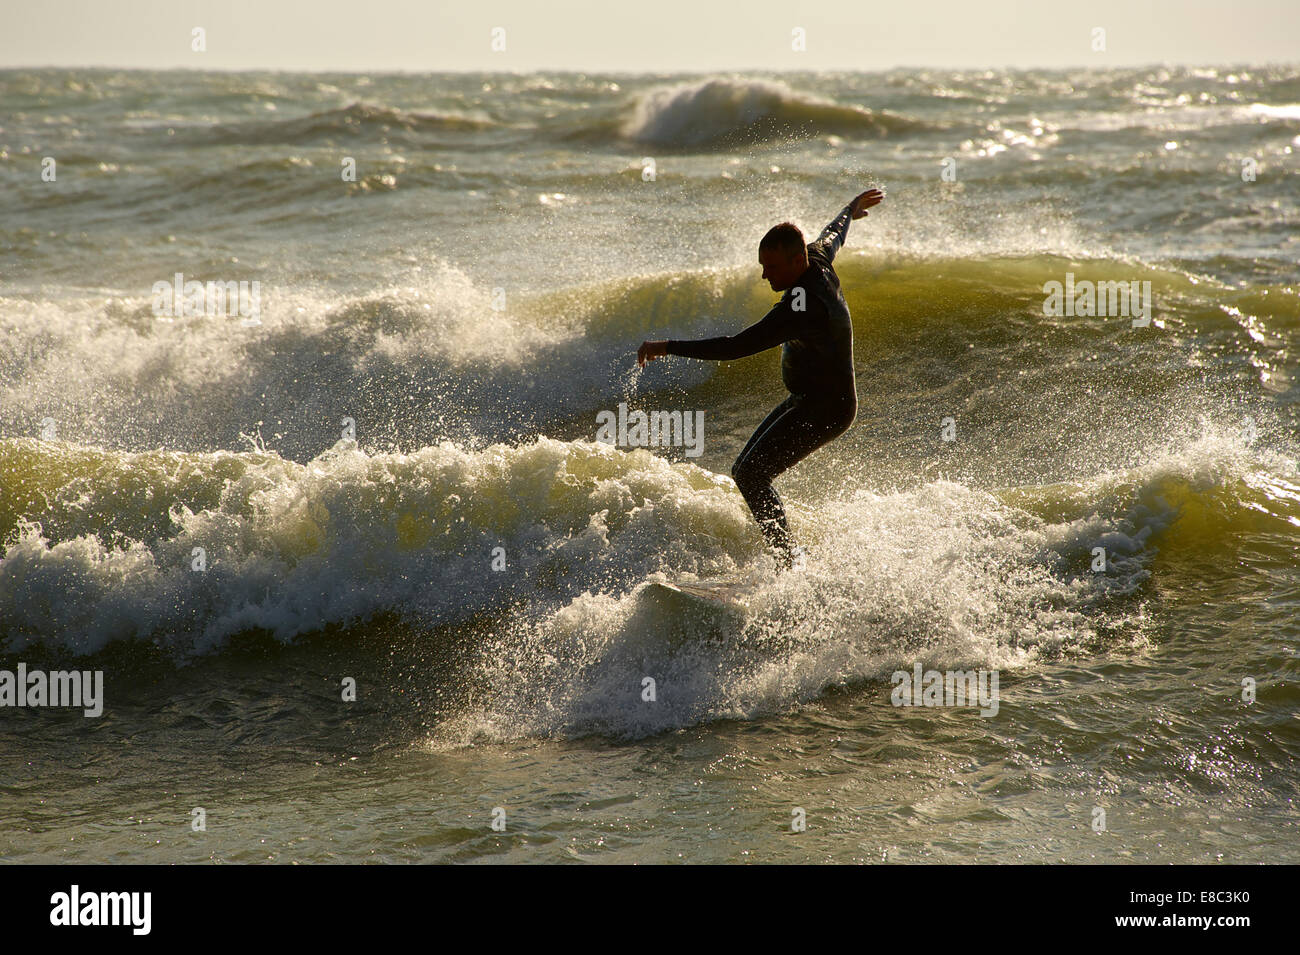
column 786, row 237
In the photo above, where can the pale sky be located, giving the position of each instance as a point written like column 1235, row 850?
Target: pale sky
column 632, row 36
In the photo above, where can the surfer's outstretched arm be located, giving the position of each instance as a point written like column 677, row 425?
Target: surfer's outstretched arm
column 775, row 328
column 837, row 231
column 834, row 235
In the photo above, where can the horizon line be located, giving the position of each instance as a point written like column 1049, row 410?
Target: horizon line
column 389, row 71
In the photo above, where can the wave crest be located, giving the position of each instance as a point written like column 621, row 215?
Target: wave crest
column 722, row 113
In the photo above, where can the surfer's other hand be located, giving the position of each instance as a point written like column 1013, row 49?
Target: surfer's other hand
column 649, row 351
column 863, row 202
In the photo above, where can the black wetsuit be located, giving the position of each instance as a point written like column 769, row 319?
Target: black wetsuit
column 817, row 368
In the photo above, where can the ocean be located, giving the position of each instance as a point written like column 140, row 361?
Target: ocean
column 363, row 585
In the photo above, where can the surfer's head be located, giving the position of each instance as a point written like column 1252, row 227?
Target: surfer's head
column 783, row 255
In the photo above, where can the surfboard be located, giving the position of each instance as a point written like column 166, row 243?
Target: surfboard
column 692, row 613
column 718, row 593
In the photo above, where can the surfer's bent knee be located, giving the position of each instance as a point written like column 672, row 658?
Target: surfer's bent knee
column 742, row 473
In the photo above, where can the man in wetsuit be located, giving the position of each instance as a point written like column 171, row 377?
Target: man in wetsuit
column 812, row 323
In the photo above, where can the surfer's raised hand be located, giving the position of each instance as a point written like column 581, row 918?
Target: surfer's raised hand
column 860, row 205
column 649, row 351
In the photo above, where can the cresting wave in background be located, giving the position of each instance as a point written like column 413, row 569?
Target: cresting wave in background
column 1173, row 446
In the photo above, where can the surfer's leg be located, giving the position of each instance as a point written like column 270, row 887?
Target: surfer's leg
column 758, row 494
column 771, row 419
column 789, row 437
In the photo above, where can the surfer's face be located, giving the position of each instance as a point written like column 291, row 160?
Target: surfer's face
column 781, row 269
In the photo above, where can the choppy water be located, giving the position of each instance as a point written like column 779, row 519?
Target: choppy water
column 126, row 442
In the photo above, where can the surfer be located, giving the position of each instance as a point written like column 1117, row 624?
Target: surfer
column 812, row 322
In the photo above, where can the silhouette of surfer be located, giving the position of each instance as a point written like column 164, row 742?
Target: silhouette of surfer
column 812, row 323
